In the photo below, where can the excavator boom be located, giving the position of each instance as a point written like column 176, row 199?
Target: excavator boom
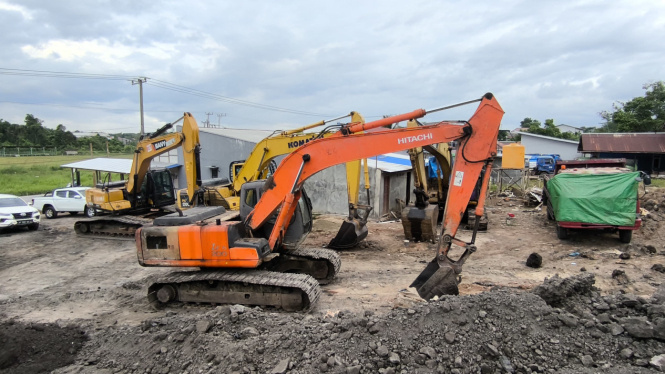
column 477, row 147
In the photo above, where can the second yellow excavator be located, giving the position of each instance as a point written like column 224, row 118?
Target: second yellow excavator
column 431, row 184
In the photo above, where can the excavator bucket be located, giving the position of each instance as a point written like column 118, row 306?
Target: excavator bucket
column 350, row 234
column 420, row 223
column 436, row 280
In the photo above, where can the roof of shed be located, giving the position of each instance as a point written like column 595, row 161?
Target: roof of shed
column 548, row 137
column 623, row 143
column 114, row 165
column 248, row 135
column 390, row 162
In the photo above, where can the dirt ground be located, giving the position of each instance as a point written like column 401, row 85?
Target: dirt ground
column 53, row 276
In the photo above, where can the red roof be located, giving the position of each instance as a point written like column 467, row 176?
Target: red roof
column 622, row 143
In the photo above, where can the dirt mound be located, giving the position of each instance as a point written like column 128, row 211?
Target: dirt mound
column 37, row 348
column 498, row 331
column 558, row 292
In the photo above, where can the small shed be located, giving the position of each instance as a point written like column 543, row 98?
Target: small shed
column 646, row 151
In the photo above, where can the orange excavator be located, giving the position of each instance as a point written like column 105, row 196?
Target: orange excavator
column 259, row 261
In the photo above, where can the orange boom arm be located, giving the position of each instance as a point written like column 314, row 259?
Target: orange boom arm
column 477, row 138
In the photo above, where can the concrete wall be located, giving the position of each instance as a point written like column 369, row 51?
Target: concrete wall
column 534, row 144
column 328, row 192
column 398, row 182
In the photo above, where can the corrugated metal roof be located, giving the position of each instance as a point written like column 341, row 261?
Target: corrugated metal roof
column 391, row 162
column 113, row 165
column 253, row 136
column 623, row 143
column 548, row 137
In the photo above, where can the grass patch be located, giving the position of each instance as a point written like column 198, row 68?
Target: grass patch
column 657, row 183
column 40, row 174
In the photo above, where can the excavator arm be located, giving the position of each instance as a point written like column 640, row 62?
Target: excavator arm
column 477, row 139
column 157, row 143
column 255, row 167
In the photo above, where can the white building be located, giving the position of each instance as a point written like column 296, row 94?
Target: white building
column 84, row 134
column 540, row 144
column 571, row 129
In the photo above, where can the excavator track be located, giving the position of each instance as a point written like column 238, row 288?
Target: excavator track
column 291, row 292
column 120, row 228
column 320, row 263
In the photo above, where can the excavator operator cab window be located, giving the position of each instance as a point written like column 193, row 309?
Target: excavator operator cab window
column 304, row 211
column 250, row 198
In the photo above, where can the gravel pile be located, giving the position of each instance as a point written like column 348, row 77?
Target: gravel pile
column 563, row 326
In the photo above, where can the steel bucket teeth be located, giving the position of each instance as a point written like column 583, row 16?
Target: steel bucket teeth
column 436, row 281
column 350, row 234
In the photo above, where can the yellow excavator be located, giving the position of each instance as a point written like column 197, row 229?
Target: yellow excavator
column 260, row 164
column 126, row 201
column 431, row 183
column 145, row 190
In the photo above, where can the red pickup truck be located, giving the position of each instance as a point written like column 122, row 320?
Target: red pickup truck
column 593, row 194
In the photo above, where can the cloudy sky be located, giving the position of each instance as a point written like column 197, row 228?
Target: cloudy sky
column 542, row 59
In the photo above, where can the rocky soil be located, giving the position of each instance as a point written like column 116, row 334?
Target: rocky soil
column 562, row 326
column 79, row 305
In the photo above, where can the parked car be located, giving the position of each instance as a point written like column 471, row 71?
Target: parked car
column 14, row 212
column 62, row 200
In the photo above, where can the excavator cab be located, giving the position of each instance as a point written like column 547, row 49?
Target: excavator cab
column 301, row 222
column 160, row 188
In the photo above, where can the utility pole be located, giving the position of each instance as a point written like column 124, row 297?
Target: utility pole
column 140, row 82
column 219, row 119
column 207, row 122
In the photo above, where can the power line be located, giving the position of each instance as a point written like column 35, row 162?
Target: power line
column 61, row 74
column 157, row 83
column 94, row 108
column 211, row 96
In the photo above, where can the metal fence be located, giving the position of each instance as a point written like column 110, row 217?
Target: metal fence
column 31, row 151
column 54, row 151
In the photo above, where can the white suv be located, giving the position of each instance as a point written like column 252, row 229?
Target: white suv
column 14, row 212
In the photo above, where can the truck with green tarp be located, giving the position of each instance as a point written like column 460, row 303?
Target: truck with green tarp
column 593, row 194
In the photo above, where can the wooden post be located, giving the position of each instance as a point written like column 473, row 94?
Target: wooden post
column 91, row 150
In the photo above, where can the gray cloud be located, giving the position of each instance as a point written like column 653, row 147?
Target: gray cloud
column 546, row 59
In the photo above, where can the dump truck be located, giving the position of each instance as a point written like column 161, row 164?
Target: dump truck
column 594, row 194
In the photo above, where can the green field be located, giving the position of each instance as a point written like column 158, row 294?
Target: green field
column 35, row 175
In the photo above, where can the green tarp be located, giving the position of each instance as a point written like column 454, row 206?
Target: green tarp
column 608, row 199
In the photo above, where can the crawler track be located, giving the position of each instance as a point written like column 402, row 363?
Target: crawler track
column 120, row 228
column 292, row 292
column 322, row 264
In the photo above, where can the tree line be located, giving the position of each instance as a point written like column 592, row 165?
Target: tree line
column 32, row 133
column 641, row 114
